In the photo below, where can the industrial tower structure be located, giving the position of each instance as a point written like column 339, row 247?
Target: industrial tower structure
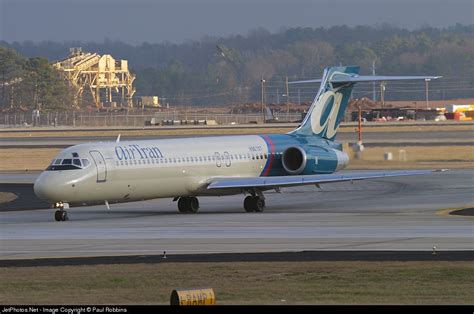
column 90, row 71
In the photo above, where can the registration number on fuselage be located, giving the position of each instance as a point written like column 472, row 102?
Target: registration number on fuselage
column 256, row 149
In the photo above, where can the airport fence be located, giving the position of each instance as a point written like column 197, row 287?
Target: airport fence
column 84, row 119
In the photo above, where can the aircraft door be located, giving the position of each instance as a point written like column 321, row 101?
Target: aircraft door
column 100, row 165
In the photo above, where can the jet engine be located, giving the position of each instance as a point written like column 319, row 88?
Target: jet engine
column 294, row 160
column 315, row 160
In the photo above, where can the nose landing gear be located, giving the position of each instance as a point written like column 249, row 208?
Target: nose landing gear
column 60, row 214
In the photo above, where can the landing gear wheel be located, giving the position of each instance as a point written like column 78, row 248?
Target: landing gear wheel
column 188, row 204
column 259, row 204
column 254, row 204
column 183, row 204
column 64, row 216
column 248, row 204
column 60, row 215
column 193, row 205
column 57, row 215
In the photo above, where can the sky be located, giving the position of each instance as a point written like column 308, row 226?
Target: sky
column 177, row 21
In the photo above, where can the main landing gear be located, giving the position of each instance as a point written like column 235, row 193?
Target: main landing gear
column 188, row 204
column 60, row 214
column 255, row 202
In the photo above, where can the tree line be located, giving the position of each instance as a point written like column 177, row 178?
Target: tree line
column 223, row 71
column 30, row 83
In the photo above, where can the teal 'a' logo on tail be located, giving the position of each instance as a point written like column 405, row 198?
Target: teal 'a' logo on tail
column 327, row 110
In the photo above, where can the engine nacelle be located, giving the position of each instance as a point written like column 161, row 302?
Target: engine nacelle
column 295, row 160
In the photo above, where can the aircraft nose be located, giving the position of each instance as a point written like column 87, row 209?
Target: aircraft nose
column 45, row 188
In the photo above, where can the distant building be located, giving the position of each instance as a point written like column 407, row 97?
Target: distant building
column 149, row 101
column 101, row 76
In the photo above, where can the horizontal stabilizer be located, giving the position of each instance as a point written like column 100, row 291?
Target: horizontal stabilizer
column 306, row 81
column 341, row 78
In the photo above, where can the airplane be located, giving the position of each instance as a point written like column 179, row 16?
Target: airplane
column 185, row 168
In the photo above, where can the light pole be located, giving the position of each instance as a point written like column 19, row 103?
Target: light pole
column 426, row 89
column 382, row 93
column 263, row 92
column 287, row 97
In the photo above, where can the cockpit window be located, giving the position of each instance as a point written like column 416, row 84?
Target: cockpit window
column 85, row 162
column 76, row 162
column 66, row 162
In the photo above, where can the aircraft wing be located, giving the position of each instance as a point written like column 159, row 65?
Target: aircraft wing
column 287, row 181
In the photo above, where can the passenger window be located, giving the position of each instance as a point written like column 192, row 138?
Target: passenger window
column 76, row 162
column 85, row 162
column 67, row 162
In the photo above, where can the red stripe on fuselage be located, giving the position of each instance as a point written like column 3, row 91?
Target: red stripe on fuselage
column 268, row 166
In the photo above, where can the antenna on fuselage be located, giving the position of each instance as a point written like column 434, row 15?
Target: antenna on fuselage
column 118, row 139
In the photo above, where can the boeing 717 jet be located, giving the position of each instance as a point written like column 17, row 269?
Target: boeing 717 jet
column 186, row 168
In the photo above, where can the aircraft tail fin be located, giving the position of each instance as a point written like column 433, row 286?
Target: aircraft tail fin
column 327, row 111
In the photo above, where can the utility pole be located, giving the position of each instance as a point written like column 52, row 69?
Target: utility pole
column 263, row 92
column 359, row 126
column 287, row 97
column 374, row 96
column 382, row 93
column 426, row 89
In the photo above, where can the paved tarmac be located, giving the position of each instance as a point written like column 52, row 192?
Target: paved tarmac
column 392, row 214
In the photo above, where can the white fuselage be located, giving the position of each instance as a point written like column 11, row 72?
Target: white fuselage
column 146, row 169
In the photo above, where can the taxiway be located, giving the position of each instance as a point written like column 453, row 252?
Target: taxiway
column 384, row 214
